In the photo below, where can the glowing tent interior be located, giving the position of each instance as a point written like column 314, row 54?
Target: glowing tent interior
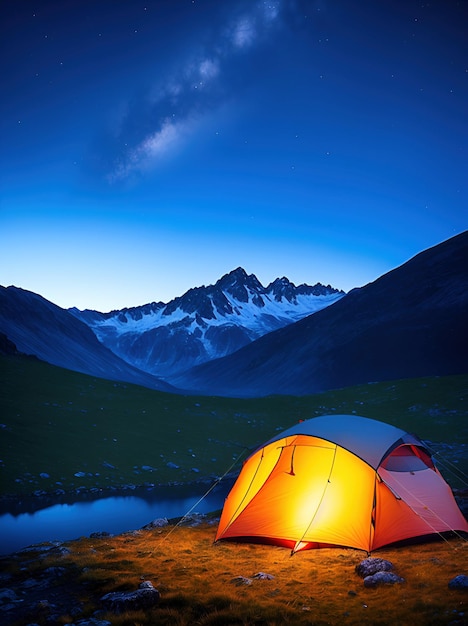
column 339, row 480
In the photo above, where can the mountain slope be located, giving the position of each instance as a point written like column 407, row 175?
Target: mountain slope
column 52, row 334
column 206, row 322
column 410, row 322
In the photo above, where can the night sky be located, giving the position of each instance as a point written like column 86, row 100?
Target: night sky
column 150, row 147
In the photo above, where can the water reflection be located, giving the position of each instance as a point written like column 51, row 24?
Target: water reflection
column 112, row 514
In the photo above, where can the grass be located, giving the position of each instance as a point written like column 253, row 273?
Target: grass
column 195, row 580
column 60, row 423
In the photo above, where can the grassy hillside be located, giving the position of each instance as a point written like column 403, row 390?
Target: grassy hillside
column 59, row 423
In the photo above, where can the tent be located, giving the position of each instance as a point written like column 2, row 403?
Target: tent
column 339, row 480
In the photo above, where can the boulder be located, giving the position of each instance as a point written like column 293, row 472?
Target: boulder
column 145, row 597
column 371, row 566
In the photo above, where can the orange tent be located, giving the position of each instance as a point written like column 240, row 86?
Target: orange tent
column 339, row 480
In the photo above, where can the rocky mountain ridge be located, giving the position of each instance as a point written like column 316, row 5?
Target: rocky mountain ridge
column 408, row 323
column 206, row 322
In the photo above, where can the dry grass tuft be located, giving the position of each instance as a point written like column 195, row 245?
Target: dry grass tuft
column 195, row 579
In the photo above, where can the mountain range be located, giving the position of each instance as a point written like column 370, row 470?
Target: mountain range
column 238, row 338
column 205, row 323
column 145, row 344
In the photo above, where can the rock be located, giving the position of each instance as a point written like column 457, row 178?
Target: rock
column 55, row 572
column 192, row 519
column 100, row 535
column 132, row 533
column 4, row 578
column 371, row 566
column 92, row 621
column 76, row 610
column 29, row 583
column 44, row 606
column 382, row 578
column 263, row 576
column 241, row 580
column 459, row 582
column 61, row 551
column 44, row 475
column 160, row 522
column 7, row 595
column 146, row 584
column 145, row 597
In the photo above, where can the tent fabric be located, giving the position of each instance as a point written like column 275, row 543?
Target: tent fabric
column 367, row 438
column 339, row 481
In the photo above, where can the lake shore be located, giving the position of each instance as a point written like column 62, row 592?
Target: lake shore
column 29, row 503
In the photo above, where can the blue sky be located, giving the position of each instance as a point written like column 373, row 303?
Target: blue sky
column 150, row 147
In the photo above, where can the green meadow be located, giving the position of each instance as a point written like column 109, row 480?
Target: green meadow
column 79, row 431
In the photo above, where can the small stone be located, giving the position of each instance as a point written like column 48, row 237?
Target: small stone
column 263, row 576
column 459, row 582
column 382, row 578
column 160, row 522
column 7, row 595
column 193, row 519
column 61, row 551
column 241, row 580
column 146, row 584
column 76, row 611
column 55, row 571
column 29, row 583
column 93, row 621
column 45, row 605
